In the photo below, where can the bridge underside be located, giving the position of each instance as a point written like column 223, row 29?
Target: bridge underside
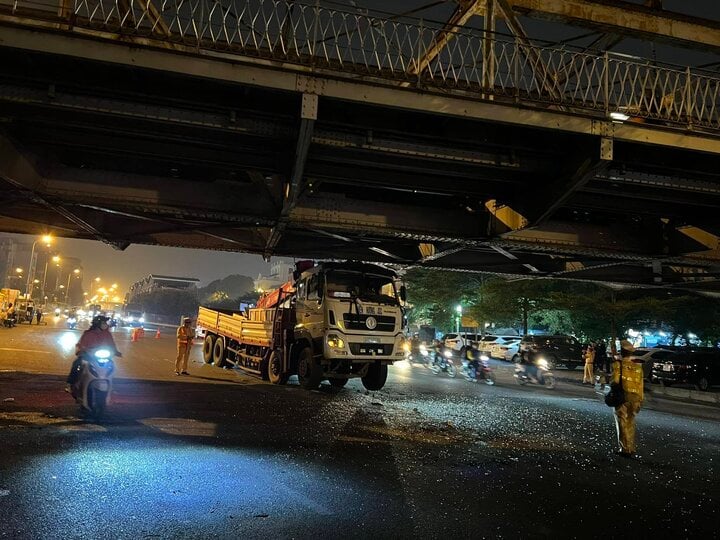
column 127, row 154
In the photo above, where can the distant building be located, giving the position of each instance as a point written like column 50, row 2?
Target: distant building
column 280, row 272
column 156, row 282
column 14, row 255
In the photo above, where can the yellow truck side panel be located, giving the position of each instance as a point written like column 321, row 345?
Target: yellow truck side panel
column 256, row 330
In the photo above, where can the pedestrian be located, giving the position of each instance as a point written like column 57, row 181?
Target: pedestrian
column 601, row 357
column 38, row 315
column 629, row 373
column 184, row 343
column 588, row 374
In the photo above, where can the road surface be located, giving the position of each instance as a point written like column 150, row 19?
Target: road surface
column 222, row 454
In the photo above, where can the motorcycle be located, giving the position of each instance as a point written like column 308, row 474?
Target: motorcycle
column 444, row 362
column 483, row 373
column 419, row 356
column 542, row 376
column 72, row 323
column 94, row 384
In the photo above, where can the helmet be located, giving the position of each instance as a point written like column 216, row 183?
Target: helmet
column 98, row 320
column 187, row 320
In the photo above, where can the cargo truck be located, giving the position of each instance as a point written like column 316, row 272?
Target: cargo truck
column 334, row 321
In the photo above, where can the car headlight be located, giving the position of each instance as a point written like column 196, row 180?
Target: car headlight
column 102, row 354
column 130, row 319
column 447, row 354
column 141, row 319
column 335, row 342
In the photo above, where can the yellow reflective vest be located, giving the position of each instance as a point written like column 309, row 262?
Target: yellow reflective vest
column 632, row 378
column 184, row 335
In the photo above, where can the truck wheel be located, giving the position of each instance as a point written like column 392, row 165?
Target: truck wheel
column 219, row 352
column 338, row 383
column 208, row 348
column 309, row 371
column 275, row 369
column 376, row 376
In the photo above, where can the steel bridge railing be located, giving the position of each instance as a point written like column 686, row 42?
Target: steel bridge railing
column 406, row 51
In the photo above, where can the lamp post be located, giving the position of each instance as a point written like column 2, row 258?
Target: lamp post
column 55, row 259
column 92, row 284
column 67, row 289
column 45, row 239
column 458, row 310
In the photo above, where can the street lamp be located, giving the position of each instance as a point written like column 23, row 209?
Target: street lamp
column 67, row 289
column 45, row 239
column 56, row 260
column 92, row 284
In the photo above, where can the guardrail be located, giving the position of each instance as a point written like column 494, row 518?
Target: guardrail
column 407, row 51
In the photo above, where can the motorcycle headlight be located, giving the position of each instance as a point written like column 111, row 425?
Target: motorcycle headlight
column 447, row 354
column 71, row 320
column 406, row 346
column 542, row 363
column 484, row 357
column 335, row 342
column 102, row 354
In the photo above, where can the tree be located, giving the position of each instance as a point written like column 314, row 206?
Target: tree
column 433, row 295
column 510, row 303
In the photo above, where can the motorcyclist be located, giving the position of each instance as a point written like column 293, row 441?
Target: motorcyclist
column 95, row 337
column 437, row 352
column 473, row 357
column 527, row 359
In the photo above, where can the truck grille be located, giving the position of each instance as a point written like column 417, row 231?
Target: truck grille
column 385, row 323
column 368, row 349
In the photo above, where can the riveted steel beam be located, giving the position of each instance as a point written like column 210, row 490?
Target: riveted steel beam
column 626, row 18
column 308, row 116
column 135, row 51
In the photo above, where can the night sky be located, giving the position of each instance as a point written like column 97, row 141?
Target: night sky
column 137, row 261
column 127, row 266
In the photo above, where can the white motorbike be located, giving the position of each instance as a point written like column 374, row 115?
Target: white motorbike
column 540, row 375
column 94, row 383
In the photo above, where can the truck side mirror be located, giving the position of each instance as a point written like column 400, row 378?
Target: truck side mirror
column 403, row 293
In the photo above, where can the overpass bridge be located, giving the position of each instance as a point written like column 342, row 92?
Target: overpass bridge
column 303, row 129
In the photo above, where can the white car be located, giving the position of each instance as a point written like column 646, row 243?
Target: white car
column 502, row 345
column 486, row 343
column 512, row 352
column 457, row 342
column 649, row 356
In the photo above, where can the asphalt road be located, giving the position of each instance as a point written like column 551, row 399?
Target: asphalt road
column 222, row 454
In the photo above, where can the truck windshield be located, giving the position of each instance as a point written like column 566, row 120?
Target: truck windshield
column 368, row 287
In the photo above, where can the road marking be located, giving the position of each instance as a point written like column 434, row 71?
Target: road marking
column 25, row 350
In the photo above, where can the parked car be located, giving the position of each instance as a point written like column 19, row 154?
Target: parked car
column 511, row 354
column 557, row 349
column 457, row 342
column 649, row 356
column 699, row 367
column 501, row 345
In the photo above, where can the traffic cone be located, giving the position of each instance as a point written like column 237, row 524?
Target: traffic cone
column 157, row 334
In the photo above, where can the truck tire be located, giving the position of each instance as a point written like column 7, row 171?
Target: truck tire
column 309, row 371
column 219, row 352
column 376, row 376
column 208, row 348
column 275, row 369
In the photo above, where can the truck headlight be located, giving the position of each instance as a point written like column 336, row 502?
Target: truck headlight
column 335, row 342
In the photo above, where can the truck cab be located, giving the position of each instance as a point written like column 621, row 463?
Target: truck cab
column 349, row 323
